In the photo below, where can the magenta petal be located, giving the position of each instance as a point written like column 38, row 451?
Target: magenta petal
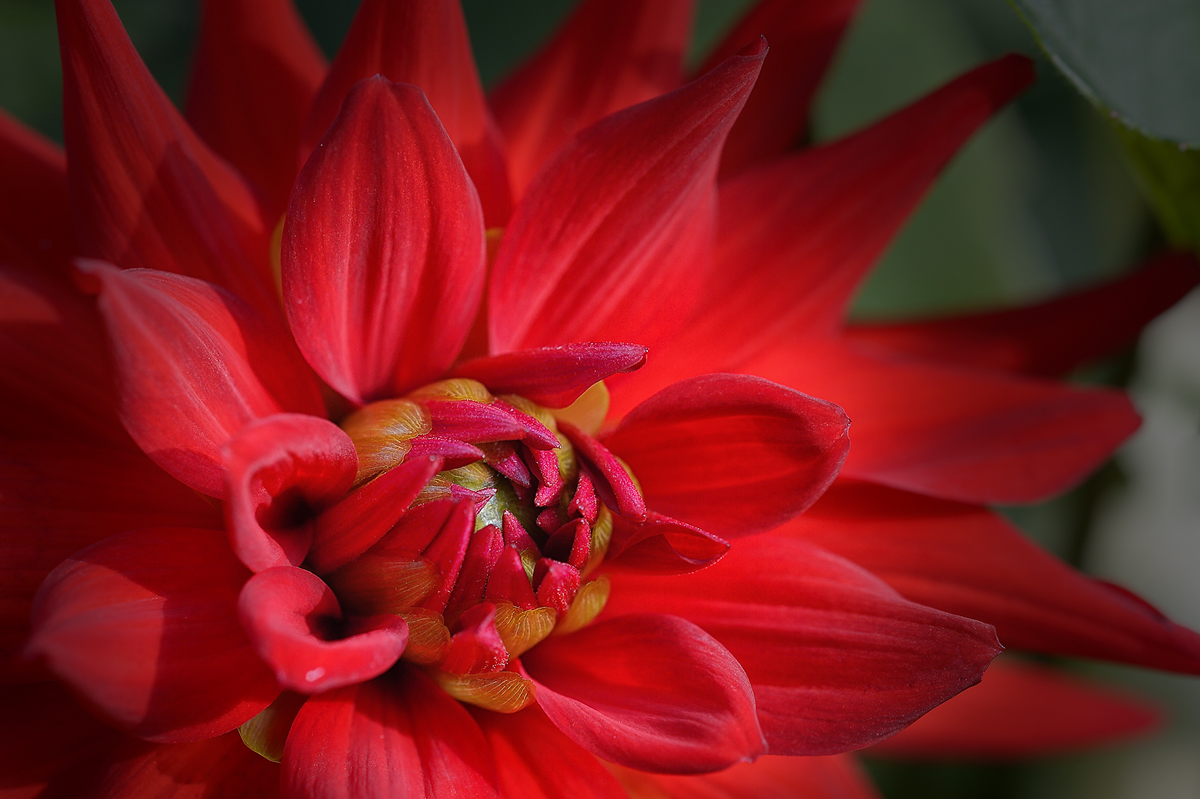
column 553, row 376
column 838, row 660
column 398, row 736
column 383, row 248
column 649, row 692
column 285, row 612
column 733, row 454
column 144, row 626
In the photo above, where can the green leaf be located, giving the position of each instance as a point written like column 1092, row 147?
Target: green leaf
column 1170, row 177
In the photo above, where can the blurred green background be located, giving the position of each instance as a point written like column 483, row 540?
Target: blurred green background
column 1039, row 202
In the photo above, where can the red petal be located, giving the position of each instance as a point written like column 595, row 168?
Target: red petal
column 194, row 366
column 536, row 761
column 837, row 659
column 145, row 191
column 256, row 72
column 55, row 501
column 553, row 376
column 804, row 35
column 834, row 777
column 289, row 614
column 606, row 473
column 662, row 545
column 423, row 43
column 648, row 692
column 1050, row 338
column 35, row 217
column 281, row 471
column 609, row 55
column 1023, row 710
column 219, row 767
column 396, row 736
column 960, row 434
column 967, row 560
column 476, row 647
column 144, row 626
column 611, row 239
column 383, row 250
column 733, row 454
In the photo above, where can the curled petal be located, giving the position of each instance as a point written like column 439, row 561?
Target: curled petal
column 383, row 247
column 553, row 376
column 662, row 545
column 144, row 626
column 649, row 692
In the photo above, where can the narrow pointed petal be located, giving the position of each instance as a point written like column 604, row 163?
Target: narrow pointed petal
column 536, row 761
column 282, row 471
column 383, row 248
column 221, row 766
column 1050, row 338
column 804, row 35
column 290, row 616
column 144, row 626
column 661, row 545
column 607, row 474
column 962, row 434
column 35, row 215
column 692, row 711
column 967, row 560
column 423, row 43
column 553, row 377
column 54, row 502
column 611, row 241
column 194, row 365
column 732, row 454
column 1023, row 710
column 838, row 660
column 770, row 777
column 609, row 55
column 255, row 74
column 145, row 191
column 399, row 736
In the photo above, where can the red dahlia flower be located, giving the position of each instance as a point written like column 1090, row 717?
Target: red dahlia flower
column 392, row 533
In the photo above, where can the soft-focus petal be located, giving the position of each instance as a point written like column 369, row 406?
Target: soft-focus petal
column 553, row 376
column 967, row 560
column 1023, row 710
column 833, row 777
column 194, row 365
column 609, row 55
column 732, row 454
column 649, row 692
column 144, row 626
column 398, row 737
column 611, row 240
column 35, row 217
column 837, row 659
column 218, row 767
column 423, row 43
column 383, row 248
column 256, row 72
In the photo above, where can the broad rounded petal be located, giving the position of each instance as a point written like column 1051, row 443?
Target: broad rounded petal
column 967, row 560
column 553, row 376
column 288, row 614
column 399, row 737
column 961, row 434
column 1050, row 338
column 609, row 55
column 837, row 659
column 194, row 365
column 536, row 761
column 611, row 241
column 254, row 77
column 649, row 692
column 732, row 454
column 219, row 767
column 35, row 214
column 770, row 777
column 144, row 626
column 423, row 43
column 281, row 471
column 804, row 35
column 145, row 191
column 55, row 501
column 383, row 247
column 1023, row 710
